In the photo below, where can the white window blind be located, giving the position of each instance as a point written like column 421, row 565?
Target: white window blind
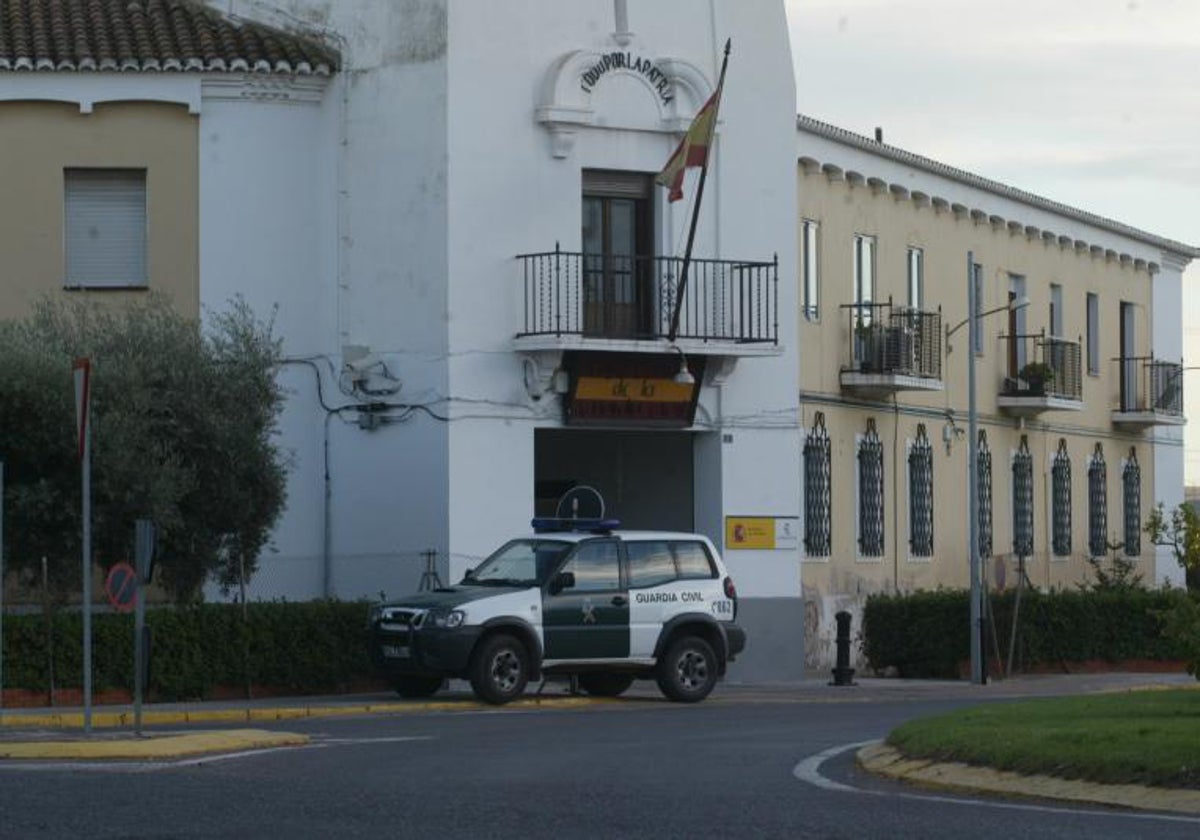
column 105, row 220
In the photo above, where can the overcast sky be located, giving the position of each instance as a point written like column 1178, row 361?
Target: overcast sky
column 1094, row 103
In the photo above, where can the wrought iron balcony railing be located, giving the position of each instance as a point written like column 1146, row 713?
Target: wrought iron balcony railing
column 633, row 297
column 1149, row 384
column 894, row 340
column 1040, row 366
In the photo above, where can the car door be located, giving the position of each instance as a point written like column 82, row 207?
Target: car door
column 588, row 619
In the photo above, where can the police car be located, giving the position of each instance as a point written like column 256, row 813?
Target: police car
column 576, row 597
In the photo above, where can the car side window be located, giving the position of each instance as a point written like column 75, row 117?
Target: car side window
column 650, row 563
column 693, row 560
column 596, row 565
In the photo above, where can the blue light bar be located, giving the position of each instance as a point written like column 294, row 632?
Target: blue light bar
column 544, row 524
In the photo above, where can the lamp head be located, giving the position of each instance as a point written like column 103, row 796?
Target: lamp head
column 1015, row 303
column 684, row 377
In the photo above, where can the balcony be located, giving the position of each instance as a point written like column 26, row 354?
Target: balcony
column 1151, row 393
column 1044, row 374
column 892, row 349
column 609, row 302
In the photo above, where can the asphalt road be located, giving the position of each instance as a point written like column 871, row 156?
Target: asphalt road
column 749, row 765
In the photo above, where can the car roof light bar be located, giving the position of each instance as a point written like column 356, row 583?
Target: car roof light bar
column 543, row 524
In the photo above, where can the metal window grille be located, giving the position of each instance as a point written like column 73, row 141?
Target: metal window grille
column 1097, row 504
column 1022, row 469
column 984, row 491
column 817, row 489
column 1060, row 474
column 920, row 495
column 870, row 493
column 1131, row 479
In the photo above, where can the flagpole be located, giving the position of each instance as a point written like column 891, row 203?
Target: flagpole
column 687, row 254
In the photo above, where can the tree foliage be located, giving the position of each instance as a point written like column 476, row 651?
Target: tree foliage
column 182, row 424
column 1180, row 533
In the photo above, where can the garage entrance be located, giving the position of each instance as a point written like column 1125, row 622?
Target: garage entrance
column 646, row 478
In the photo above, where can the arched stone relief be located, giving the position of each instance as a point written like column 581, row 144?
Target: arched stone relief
column 677, row 87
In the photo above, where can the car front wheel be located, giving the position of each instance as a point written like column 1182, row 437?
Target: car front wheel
column 499, row 669
column 688, row 671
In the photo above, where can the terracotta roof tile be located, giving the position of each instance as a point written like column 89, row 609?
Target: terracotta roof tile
column 147, row 36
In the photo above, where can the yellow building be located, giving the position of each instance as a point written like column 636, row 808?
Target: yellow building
column 1078, row 381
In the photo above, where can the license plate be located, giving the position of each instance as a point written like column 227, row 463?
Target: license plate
column 395, row 651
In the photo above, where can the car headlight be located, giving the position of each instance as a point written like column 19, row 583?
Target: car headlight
column 448, row 620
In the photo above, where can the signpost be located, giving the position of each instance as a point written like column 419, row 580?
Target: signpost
column 1, row 586
column 143, row 559
column 81, row 372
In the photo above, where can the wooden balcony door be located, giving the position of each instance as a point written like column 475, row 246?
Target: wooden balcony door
column 618, row 298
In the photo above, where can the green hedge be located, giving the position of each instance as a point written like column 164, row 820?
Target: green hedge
column 926, row 634
column 301, row 647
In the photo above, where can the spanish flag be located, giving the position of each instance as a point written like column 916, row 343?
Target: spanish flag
column 692, row 149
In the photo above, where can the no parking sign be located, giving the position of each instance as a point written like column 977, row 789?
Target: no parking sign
column 121, row 587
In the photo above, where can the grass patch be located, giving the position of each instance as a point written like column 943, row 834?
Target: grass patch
column 1142, row 737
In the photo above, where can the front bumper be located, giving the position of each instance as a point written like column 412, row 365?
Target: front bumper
column 424, row 650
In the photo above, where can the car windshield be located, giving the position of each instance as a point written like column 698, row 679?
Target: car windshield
column 527, row 562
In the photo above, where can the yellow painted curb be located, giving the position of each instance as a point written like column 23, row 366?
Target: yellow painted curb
column 883, row 760
column 154, row 748
column 74, row 720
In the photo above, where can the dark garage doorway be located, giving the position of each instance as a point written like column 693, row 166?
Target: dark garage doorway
column 646, row 478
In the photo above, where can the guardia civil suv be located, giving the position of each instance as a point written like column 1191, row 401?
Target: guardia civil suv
column 577, row 598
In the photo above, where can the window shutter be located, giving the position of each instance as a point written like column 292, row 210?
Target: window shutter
column 105, row 227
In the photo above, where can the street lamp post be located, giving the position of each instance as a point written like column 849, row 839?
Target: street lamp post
column 972, row 323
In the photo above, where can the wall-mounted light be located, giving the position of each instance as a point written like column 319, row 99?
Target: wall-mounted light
column 684, row 377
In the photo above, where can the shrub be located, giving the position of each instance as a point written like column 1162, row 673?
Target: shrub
column 927, row 634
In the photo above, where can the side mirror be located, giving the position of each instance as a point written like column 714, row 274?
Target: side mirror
column 468, row 576
column 561, row 581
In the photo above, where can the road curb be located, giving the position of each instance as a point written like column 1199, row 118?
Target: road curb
column 883, row 760
column 152, row 748
column 108, row 720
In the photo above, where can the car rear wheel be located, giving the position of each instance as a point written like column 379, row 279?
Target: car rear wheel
column 415, row 686
column 499, row 669
column 605, row 685
column 688, row 671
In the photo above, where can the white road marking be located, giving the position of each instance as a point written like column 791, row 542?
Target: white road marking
column 809, row 772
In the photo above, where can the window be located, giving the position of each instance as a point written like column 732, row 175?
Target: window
column 618, row 294
column 1022, row 470
column 693, row 561
column 864, row 275
column 870, row 493
column 1060, row 478
column 1093, row 334
column 984, row 489
column 920, row 495
column 596, row 566
column 817, row 490
column 1097, row 504
column 1131, row 483
column 650, row 563
column 104, row 217
column 1017, row 350
column 812, row 277
column 977, row 279
column 916, row 278
column 1056, row 310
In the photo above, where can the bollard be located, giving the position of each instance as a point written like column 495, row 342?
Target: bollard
column 843, row 674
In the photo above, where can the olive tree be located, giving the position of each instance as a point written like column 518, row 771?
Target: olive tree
column 182, row 418
column 1181, row 533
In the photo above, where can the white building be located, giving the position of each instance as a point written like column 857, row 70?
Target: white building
column 386, row 214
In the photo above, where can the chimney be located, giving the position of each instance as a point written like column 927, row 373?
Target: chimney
column 878, row 134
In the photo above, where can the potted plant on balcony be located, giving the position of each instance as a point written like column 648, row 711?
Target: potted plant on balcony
column 1036, row 375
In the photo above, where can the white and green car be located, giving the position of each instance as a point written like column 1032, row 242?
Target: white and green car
column 575, row 598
